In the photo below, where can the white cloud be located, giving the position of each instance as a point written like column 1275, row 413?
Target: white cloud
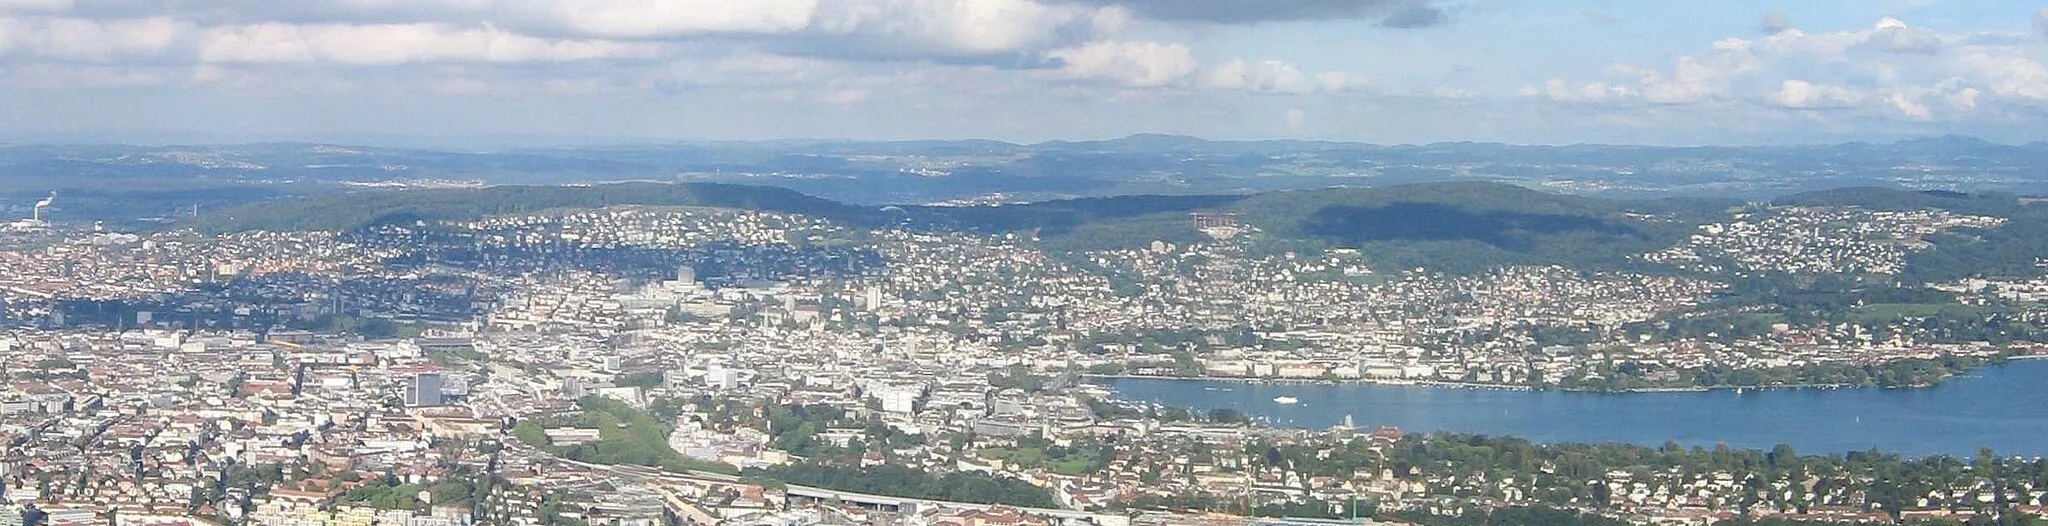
column 2006, row 73
column 654, row 18
column 2041, row 21
column 1888, row 67
column 1266, row 76
column 1909, row 107
column 966, row 26
column 1559, row 90
column 1279, row 77
column 1295, row 118
column 847, row 95
column 1800, row 94
column 1130, row 64
column 385, row 44
column 89, row 40
column 36, row 6
column 82, row 75
column 1340, row 81
column 1690, row 80
column 1895, row 36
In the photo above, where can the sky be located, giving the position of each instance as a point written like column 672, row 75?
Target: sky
column 532, row 72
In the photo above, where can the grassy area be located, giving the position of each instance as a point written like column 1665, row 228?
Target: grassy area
column 1074, row 463
column 625, row 436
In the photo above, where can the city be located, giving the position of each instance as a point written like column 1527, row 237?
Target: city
column 1023, row 263
column 636, row 365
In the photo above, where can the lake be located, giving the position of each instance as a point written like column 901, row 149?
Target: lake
column 2002, row 407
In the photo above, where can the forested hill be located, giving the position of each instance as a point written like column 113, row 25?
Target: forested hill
column 1461, row 226
column 1457, row 226
column 346, row 211
column 1990, row 203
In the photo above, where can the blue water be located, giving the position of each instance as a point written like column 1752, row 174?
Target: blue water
column 2004, row 408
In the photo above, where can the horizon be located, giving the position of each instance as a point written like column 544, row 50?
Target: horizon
column 476, row 144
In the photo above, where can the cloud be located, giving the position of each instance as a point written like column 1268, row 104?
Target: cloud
column 1128, row 64
column 2006, row 73
column 2041, row 22
column 860, row 29
column 1775, row 22
column 1691, row 80
column 1894, row 36
column 89, row 40
column 963, row 27
column 386, row 44
column 1908, row 106
column 1416, row 16
column 1266, row 76
column 1340, row 81
column 1887, row 68
column 656, row 18
column 33, row 6
column 1561, row 91
column 1800, row 94
column 1251, row 12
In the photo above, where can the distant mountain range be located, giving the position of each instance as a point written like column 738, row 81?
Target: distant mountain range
column 920, row 172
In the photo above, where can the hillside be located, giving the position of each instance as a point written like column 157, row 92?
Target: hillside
column 1453, row 226
column 346, row 211
column 896, row 172
column 1876, row 198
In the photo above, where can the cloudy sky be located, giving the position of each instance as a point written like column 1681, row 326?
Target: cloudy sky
column 1390, row 71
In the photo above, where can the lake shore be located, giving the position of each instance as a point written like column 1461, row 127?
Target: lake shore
column 1487, row 386
column 1522, row 387
column 2001, row 406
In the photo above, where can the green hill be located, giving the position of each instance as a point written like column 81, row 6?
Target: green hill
column 347, row 211
column 1894, row 199
column 1451, row 226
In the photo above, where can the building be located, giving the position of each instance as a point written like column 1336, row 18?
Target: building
column 872, row 299
column 722, row 378
column 424, row 390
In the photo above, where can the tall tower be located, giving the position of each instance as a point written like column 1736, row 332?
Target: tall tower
column 37, row 215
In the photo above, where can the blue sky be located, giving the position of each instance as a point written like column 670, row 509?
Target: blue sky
column 500, row 72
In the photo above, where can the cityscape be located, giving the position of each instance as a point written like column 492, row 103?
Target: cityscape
column 1023, row 263
column 653, row 364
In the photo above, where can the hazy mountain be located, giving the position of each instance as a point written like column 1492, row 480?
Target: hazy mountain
column 914, row 172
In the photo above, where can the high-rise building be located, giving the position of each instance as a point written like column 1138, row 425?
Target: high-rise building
column 873, row 298
column 424, row 390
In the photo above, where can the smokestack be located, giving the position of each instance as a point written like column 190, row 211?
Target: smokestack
column 45, row 203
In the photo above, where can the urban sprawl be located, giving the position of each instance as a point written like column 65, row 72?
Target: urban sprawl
column 643, row 366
